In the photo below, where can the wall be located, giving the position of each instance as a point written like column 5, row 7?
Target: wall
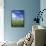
column 1, row 20
column 30, row 7
column 43, row 6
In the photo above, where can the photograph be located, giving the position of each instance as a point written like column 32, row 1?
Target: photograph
column 17, row 18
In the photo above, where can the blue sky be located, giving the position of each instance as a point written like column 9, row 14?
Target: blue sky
column 18, row 14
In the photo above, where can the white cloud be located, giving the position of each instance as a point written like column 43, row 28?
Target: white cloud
column 13, row 15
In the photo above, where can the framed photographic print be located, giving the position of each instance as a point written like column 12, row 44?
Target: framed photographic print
column 17, row 18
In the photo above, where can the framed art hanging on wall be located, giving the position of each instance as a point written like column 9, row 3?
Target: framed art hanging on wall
column 17, row 18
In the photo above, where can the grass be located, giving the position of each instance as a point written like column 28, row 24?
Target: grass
column 17, row 23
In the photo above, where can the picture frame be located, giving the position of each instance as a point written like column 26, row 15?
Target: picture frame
column 17, row 18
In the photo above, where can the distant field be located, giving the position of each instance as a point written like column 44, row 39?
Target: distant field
column 17, row 23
